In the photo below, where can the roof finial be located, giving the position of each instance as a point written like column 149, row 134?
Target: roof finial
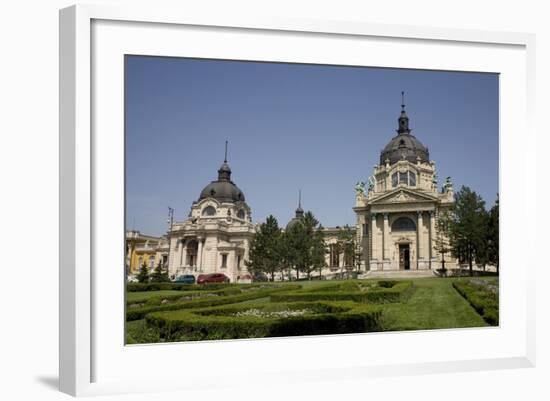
column 225, row 158
column 403, row 100
column 299, row 198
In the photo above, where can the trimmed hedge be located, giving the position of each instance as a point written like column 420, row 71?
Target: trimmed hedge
column 221, row 323
column 136, row 287
column 157, row 300
column 140, row 312
column 481, row 297
column 399, row 291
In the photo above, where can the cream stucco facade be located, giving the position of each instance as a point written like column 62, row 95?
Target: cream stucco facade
column 215, row 238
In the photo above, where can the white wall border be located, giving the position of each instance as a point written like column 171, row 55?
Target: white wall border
column 76, row 171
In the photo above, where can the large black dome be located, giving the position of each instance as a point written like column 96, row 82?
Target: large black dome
column 223, row 189
column 404, row 146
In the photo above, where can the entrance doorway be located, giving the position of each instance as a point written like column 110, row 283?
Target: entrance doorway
column 404, row 257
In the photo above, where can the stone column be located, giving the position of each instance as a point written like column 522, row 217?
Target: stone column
column 386, row 238
column 184, row 255
column 374, row 234
column 420, row 239
column 199, row 255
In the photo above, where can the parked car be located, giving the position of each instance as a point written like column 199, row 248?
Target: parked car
column 246, row 278
column 212, row 278
column 186, row 279
column 260, row 277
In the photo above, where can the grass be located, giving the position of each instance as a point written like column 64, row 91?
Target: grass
column 435, row 304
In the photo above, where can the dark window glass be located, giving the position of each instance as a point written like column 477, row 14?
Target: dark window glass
column 403, row 178
column 412, row 179
column 394, row 180
column 403, row 224
column 209, row 211
column 224, row 260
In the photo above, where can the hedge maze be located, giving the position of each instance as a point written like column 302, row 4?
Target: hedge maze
column 175, row 312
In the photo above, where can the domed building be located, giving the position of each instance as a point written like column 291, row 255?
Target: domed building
column 396, row 215
column 216, row 236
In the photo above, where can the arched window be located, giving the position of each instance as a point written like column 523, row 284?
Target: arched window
column 403, row 224
column 240, row 214
column 209, row 211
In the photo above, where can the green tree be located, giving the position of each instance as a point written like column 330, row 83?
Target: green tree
column 318, row 250
column 304, row 246
column 346, row 243
column 143, row 275
column 442, row 235
column 493, row 235
column 265, row 249
column 468, row 226
column 159, row 275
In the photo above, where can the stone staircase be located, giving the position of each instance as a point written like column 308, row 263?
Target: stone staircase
column 398, row 274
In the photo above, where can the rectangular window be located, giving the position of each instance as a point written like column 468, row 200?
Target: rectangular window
column 224, row 260
column 239, row 262
column 403, row 178
column 394, row 179
column 412, row 179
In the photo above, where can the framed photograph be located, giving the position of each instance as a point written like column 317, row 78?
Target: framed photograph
column 284, row 199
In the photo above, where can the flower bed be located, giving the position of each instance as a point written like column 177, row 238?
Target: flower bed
column 265, row 320
column 136, row 313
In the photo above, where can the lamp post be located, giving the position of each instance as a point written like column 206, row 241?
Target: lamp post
column 170, row 221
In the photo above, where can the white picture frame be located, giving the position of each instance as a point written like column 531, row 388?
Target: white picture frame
column 85, row 350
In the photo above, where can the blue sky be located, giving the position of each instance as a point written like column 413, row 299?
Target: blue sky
column 291, row 126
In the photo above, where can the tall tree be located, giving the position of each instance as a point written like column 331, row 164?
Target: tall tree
column 493, row 235
column 159, row 275
column 143, row 275
column 304, row 246
column 346, row 243
column 468, row 226
column 442, row 235
column 265, row 249
column 318, row 250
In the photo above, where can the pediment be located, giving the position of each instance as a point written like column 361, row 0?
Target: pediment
column 403, row 195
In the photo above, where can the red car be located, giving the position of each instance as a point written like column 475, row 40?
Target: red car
column 212, row 278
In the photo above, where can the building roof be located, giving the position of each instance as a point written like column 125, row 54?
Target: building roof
column 223, row 189
column 404, row 146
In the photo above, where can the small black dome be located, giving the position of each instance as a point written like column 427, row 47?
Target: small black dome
column 223, row 189
column 293, row 222
column 404, row 147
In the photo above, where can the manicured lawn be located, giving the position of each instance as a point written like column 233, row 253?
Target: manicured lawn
column 434, row 304
column 143, row 296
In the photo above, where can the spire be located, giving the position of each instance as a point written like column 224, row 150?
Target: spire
column 299, row 211
column 224, row 173
column 403, row 120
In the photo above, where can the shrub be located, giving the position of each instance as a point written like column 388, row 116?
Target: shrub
column 483, row 296
column 221, row 322
column 399, row 291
